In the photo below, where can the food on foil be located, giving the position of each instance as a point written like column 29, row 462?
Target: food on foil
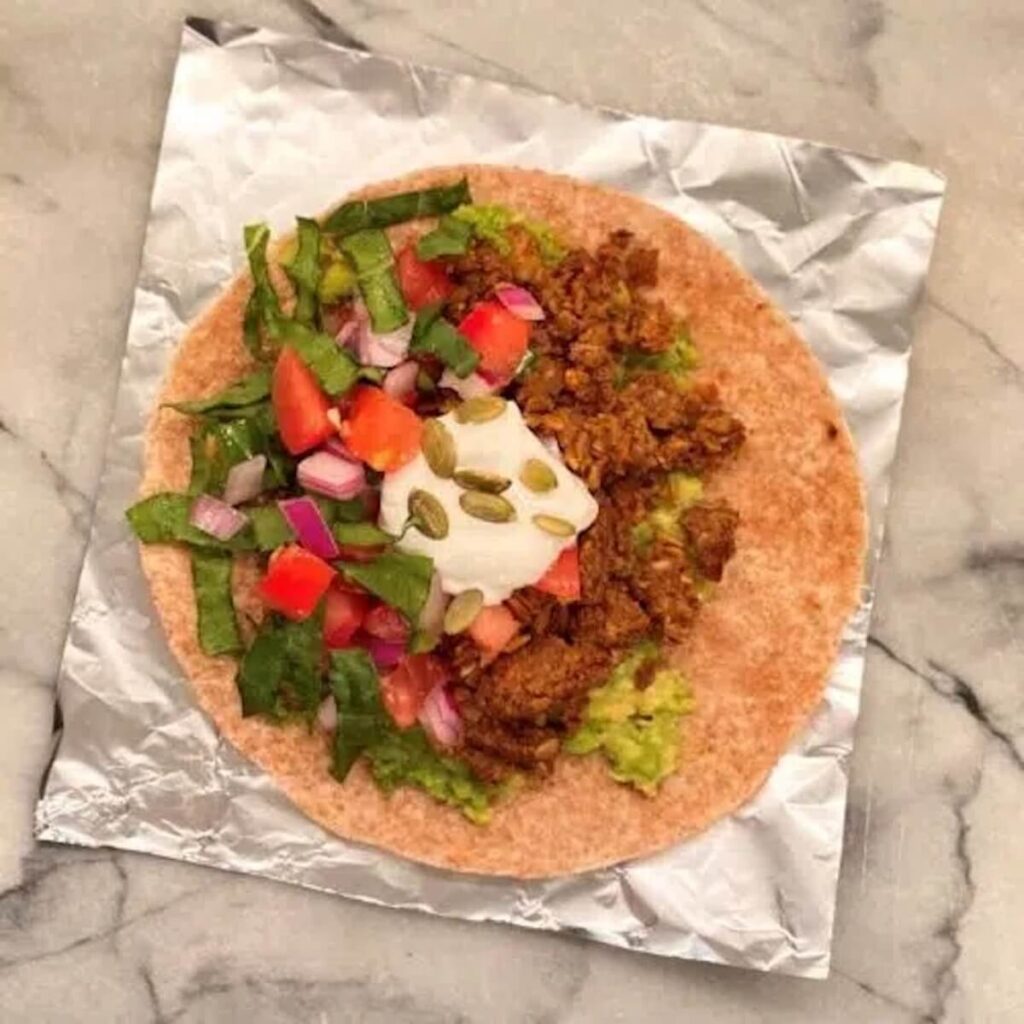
column 502, row 520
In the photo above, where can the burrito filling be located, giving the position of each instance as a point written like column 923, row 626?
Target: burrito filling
column 469, row 464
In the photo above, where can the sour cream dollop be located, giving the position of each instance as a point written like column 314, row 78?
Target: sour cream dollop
column 495, row 558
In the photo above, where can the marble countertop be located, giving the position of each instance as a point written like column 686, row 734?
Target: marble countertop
column 932, row 890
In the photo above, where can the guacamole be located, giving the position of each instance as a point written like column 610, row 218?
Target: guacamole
column 636, row 727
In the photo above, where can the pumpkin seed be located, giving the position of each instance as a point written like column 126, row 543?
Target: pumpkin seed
column 492, row 508
column 428, row 514
column 538, row 476
column 464, row 608
column 481, row 480
column 553, row 525
column 438, row 448
column 480, row 409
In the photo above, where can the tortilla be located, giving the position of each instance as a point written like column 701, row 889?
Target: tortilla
column 762, row 648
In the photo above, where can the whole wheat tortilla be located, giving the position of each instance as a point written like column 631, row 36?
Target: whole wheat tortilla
column 762, row 648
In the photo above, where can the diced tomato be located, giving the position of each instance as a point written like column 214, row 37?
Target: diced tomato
column 381, row 431
column 343, row 615
column 405, row 688
column 422, row 282
column 385, row 623
column 563, row 577
column 500, row 338
column 299, row 404
column 493, row 628
column 295, row 581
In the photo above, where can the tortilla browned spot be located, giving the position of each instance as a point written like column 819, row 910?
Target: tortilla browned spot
column 762, row 648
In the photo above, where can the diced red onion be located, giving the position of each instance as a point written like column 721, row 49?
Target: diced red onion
column 400, row 382
column 245, row 480
column 216, row 517
column 310, row 527
column 431, row 617
column 327, row 716
column 385, row 653
column 467, row 387
column 332, row 476
column 519, row 301
column 440, row 717
column 336, row 446
column 384, row 350
column 348, row 334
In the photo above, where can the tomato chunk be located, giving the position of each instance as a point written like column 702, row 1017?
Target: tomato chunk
column 385, row 623
column 299, row 404
column 405, row 688
column 343, row 615
column 422, row 281
column 493, row 628
column 295, row 582
column 563, row 577
column 381, row 430
column 500, row 338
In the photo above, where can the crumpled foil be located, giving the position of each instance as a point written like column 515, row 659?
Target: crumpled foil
column 264, row 126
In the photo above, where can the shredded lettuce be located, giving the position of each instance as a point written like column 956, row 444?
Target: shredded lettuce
column 211, row 579
column 370, row 253
column 242, row 395
column 432, row 334
column 398, row 578
column 381, row 213
column 451, row 237
column 336, row 370
column 362, row 718
column 263, row 306
column 303, row 269
column 280, row 674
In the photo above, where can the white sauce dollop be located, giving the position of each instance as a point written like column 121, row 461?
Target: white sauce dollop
column 496, row 558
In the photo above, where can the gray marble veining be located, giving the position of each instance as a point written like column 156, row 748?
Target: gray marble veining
column 932, row 889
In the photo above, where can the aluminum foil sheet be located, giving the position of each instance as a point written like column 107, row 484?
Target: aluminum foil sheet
column 264, row 126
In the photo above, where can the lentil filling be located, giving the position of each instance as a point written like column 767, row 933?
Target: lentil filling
column 608, row 384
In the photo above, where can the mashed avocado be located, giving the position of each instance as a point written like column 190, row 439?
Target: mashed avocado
column 681, row 491
column 491, row 221
column 637, row 729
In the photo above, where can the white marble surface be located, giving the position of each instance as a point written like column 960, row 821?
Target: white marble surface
column 932, row 893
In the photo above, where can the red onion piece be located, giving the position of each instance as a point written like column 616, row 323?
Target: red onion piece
column 440, row 717
column 519, row 301
column 245, row 480
column 336, row 446
column 332, row 476
column 385, row 653
column 467, row 387
column 309, row 526
column 348, row 334
column 400, row 383
column 327, row 716
column 383, row 350
column 216, row 517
